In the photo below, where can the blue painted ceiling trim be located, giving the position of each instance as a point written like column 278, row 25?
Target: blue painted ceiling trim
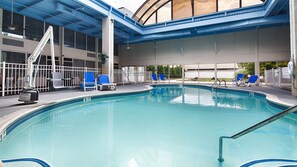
column 279, row 20
column 86, row 16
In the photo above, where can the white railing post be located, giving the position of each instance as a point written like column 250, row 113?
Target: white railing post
column 279, row 76
column 273, row 77
column 3, row 79
column 265, row 77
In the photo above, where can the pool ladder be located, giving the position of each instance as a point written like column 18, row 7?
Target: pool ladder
column 254, row 127
column 217, row 84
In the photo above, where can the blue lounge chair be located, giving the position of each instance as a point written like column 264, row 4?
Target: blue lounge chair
column 89, row 81
column 104, row 83
column 252, row 80
column 238, row 79
column 154, row 77
column 162, row 77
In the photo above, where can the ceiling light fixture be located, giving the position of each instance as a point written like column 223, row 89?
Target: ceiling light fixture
column 11, row 26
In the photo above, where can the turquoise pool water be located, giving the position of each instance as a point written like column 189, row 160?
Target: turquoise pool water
column 168, row 127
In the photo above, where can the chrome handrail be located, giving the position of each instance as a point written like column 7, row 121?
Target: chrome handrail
column 254, row 127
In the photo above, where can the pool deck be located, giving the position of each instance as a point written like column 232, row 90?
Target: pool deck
column 11, row 109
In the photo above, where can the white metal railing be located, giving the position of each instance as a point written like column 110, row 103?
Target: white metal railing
column 128, row 77
column 12, row 77
column 278, row 77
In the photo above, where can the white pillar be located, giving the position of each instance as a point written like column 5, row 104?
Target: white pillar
column 108, row 45
column 61, row 43
column 293, row 30
column 257, row 63
column 1, row 23
column 96, row 52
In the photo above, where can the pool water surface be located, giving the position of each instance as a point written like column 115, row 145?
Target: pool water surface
column 170, row 126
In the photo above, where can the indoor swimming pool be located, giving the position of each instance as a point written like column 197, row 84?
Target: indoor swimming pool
column 170, row 126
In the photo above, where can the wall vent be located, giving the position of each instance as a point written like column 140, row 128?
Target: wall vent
column 91, row 55
column 13, row 42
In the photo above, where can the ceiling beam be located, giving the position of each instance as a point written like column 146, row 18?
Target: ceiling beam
column 29, row 5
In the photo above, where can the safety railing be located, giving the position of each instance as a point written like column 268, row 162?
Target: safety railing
column 278, row 77
column 134, row 77
column 12, row 77
column 254, row 127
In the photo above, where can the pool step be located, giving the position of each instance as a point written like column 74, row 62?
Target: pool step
column 24, row 162
column 271, row 163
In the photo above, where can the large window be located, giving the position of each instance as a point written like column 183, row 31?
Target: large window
column 164, row 13
column 182, row 9
column 99, row 45
column 90, row 64
column 13, row 57
column 151, row 20
column 34, row 29
column 202, row 7
column 78, row 63
column 56, row 32
column 18, row 22
column 68, row 38
column 91, row 43
column 250, row 2
column 80, row 41
column 228, row 4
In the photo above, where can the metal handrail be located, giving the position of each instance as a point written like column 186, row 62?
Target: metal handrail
column 254, row 127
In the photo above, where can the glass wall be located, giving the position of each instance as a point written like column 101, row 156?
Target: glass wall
column 80, row 41
column 13, row 57
column 164, row 13
column 166, row 10
column 91, row 43
column 228, row 4
column 68, row 38
column 18, row 22
column 90, row 64
column 151, row 20
column 204, row 7
column 34, row 29
column 250, row 2
column 182, row 9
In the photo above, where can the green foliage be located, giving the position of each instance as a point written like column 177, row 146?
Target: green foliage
column 269, row 65
column 151, row 68
column 248, row 69
column 103, row 57
column 175, row 72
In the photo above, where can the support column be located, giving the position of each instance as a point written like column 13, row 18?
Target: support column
column 108, row 45
column 61, row 43
column 1, row 23
column 257, row 63
column 293, row 30
column 97, row 53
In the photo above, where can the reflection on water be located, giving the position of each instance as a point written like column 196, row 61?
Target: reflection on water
column 203, row 97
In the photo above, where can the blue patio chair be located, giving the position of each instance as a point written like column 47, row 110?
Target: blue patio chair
column 162, row 77
column 238, row 79
column 252, row 80
column 104, row 83
column 89, row 81
column 154, row 77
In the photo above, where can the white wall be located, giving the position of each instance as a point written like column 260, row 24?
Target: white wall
column 273, row 44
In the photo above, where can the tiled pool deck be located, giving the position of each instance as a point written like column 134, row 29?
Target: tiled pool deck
column 10, row 108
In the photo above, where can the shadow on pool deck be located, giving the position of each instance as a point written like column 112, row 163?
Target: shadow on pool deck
column 10, row 104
